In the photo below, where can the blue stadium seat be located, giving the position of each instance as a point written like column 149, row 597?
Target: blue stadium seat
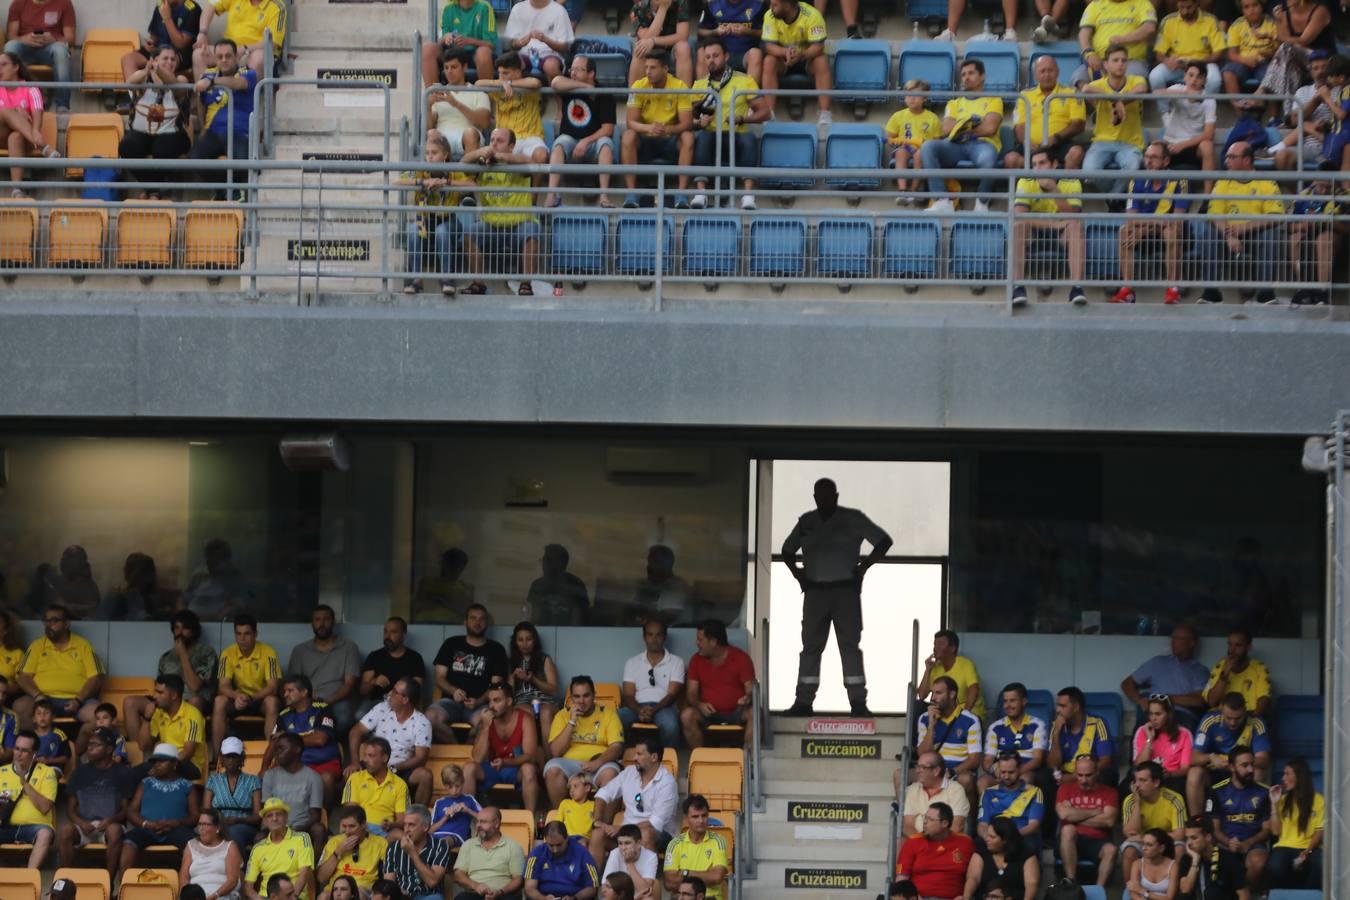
column 712, row 245
column 926, row 9
column 1093, row 892
column 844, row 248
column 777, row 247
column 1287, row 894
column 862, row 66
column 787, row 145
column 1109, row 707
column 1002, row 64
column 910, row 248
column 580, row 243
column 979, row 250
column 502, row 9
column 1066, row 53
column 933, row 61
column 1040, row 704
column 635, row 245
column 611, row 66
column 1103, row 252
column 853, row 146
column 1298, row 725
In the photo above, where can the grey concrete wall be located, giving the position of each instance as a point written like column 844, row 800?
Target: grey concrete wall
column 1239, row 370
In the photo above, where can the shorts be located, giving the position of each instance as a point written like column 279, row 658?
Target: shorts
column 455, row 138
column 1233, row 867
column 144, row 837
column 87, row 701
column 592, row 157
column 1188, row 157
column 570, row 767
column 527, row 145
column 253, row 709
column 21, row 834
column 97, row 836
column 493, row 776
column 1090, row 848
column 502, row 239
column 658, row 149
column 734, row 717
column 1245, row 72
column 331, row 767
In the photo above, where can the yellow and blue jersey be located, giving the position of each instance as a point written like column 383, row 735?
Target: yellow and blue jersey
column 1213, row 736
column 1240, row 812
column 1094, row 739
column 1022, row 738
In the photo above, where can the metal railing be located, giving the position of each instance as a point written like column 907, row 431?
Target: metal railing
column 745, row 833
column 906, row 756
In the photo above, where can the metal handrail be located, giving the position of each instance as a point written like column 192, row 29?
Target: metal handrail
column 751, row 782
column 906, row 755
column 764, row 713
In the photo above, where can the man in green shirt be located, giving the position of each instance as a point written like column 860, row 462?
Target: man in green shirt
column 490, row 863
column 467, row 26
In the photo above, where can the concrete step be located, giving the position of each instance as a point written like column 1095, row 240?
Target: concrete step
column 778, row 806
column 797, row 725
column 792, row 840
column 363, row 29
column 804, row 880
column 845, row 785
column 788, row 748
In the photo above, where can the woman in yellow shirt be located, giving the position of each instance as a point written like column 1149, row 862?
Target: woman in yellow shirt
column 1297, row 815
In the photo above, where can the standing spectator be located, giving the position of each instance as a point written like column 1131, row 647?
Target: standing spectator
column 957, row 8
column 96, row 802
column 502, row 229
column 332, row 663
column 1239, row 672
column 458, row 114
column 1020, row 733
column 248, row 20
column 353, row 851
column 557, row 597
column 1189, row 36
column 377, row 789
column 649, row 796
column 32, row 786
column 429, row 231
column 1153, row 195
column 282, row 854
column 970, row 133
column 61, row 667
column 1316, row 206
column 1055, row 196
column 541, row 33
column 211, row 862
column 227, row 97
column 1013, row 799
column 1149, row 806
column 586, row 740
column 634, row 860
column 534, row 677
column 490, row 864
column 794, row 44
column 936, row 859
column 394, row 661
column 1161, row 740
column 660, row 125
column 408, row 732
column 296, row 786
column 946, row 662
column 1108, row 24
column 661, row 26
column 585, row 132
column 1118, row 134
column 465, row 666
column 173, row 25
column 1087, row 812
column 179, row 724
column 697, row 852
column 468, row 31
column 559, row 867
column 739, row 24
column 1189, row 122
column 1155, row 872
column 506, row 749
column 723, row 86
column 163, row 810
column 417, row 861
column 1297, row 815
column 1055, row 120
column 1240, row 808
column 191, row 659
column 42, row 32
column 719, row 686
column 235, row 795
column 1236, row 239
column 652, row 683
column 1007, row 861
column 1252, row 41
column 906, row 131
column 1317, row 120
column 931, row 785
column 313, row 722
column 249, row 675
column 1074, row 734
column 1175, row 673
column 951, row 731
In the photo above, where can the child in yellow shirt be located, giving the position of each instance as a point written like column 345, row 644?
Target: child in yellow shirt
column 906, row 131
column 578, row 810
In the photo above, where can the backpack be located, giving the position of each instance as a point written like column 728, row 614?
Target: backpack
column 98, row 180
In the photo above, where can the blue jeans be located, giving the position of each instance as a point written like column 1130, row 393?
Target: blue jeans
column 945, row 155
column 243, row 835
column 1213, row 253
column 667, row 722
column 1102, row 155
column 705, row 148
column 56, row 55
column 419, row 247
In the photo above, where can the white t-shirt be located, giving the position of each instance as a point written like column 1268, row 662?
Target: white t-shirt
column 640, row 672
column 551, row 20
column 1188, row 116
column 449, row 119
column 646, row 863
column 404, row 737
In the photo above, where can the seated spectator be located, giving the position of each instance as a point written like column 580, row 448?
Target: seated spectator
column 445, row 596
column 957, row 8
column 1006, row 862
column 1109, row 24
column 250, row 674
column 1074, row 734
column 1049, row 195
column 53, row 745
column 690, row 888
column 140, row 597
column 465, row 665
column 1240, row 808
column 540, row 32
column 505, row 235
column 533, row 680
column 1316, row 205
column 468, row 32
column 32, row 786
column 456, row 813
column 1163, row 197
column 163, row 809
column 227, row 97
column 295, row 785
column 719, row 686
column 1189, row 36
column 1188, row 123
column 1301, row 28
column 377, row 789
column 235, row 795
column 906, row 132
column 1219, row 733
column 248, row 21
column 1201, row 870
column 385, row 667
column 1020, row 733
column 660, row 126
column 937, row 859
column 586, row 739
column 585, row 130
column 661, row 26
column 646, row 793
column 1148, row 806
column 1155, row 871
column 429, row 231
column 516, row 106
column 42, row 32
column 173, row 26
column 105, row 716
column 970, row 133
column 283, row 855
column 1013, row 799
column 636, row 861
column 1161, row 740
column 749, row 108
column 1055, row 120
column 332, row 663
column 459, row 116
column 313, row 722
column 697, row 852
column 417, row 861
column 1252, row 41
column 96, row 802
column 281, row 887
column 191, row 659
column 1297, row 816
column 1118, row 132
column 1229, row 240
column 60, row 667
column 577, row 812
column 11, row 646
column 1336, row 97
column 557, row 597
column 210, row 861
column 946, row 662
column 505, row 749
column 1175, row 673
column 1087, row 812
column 661, row 594
column 794, row 44
column 489, row 865
column 652, row 683
column 1306, row 146
column 217, row 591
column 951, row 731
column 931, row 785
column 352, row 851
column 178, row 723
column 559, row 867
column 1239, row 672
column 740, row 25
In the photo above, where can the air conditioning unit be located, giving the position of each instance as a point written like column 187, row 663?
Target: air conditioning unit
column 635, row 464
column 314, row 453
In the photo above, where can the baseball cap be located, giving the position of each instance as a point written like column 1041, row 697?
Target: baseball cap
column 165, row 751
column 232, row 746
column 271, row 804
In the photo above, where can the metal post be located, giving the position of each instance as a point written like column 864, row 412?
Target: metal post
column 748, row 790
column 660, row 237
column 1336, row 745
column 766, row 725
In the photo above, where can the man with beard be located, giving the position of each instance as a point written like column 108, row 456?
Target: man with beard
column 490, row 865
column 1240, row 808
column 313, row 722
column 62, row 667
column 585, row 132
column 299, row 787
column 332, row 664
column 465, row 665
column 388, row 664
column 724, row 84
column 1219, row 732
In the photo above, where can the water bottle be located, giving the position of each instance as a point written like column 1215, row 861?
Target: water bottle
column 985, row 35
column 1142, row 627
column 916, row 29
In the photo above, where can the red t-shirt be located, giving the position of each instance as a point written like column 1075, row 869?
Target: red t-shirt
column 722, row 685
column 937, row 868
column 1100, row 797
column 51, row 17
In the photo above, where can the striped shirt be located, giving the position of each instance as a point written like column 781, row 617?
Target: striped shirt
column 399, row 866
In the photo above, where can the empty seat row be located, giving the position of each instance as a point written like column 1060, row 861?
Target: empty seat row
column 146, row 236
column 92, row 884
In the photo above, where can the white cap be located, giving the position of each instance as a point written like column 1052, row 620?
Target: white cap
column 232, row 746
column 165, row 751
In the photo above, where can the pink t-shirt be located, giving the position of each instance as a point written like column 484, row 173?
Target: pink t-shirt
column 1173, row 755
column 24, row 98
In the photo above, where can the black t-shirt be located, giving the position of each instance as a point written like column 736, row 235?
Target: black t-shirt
column 99, row 792
column 584, row 113
column 1220, row 879
column 409, row 665
column 187, row 18
column 470, row 668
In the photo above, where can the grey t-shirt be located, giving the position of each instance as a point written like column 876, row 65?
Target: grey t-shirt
column 301, row 791
column 326, row 671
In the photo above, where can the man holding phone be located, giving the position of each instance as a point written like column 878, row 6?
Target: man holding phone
column 41, row 32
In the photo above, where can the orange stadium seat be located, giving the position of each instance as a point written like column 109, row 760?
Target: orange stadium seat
column 17, row 883
column 253, row 756
column 608, row 694
column 48, row 137
column 92, row 134
column 75, row 235
column 716, row 773
column 117, row 688
column 211, row 236
column 148, row 884
column 90, row 884
column 518, row 825
column 101, row 55
column 145, row 237
column 728, row 834
column 18, row 234
column 443, row 754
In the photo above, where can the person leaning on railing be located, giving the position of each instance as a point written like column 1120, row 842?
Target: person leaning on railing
column 1153, row 195
column 158, row 121
column 1049, row 195
column 1232, row 239
column 501, row 228
column 517, row 107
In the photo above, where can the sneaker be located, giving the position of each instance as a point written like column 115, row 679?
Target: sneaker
column 1266, row 297
column 982, row 206
column 700, row 201
column 1172, row 296
column 860, row 711
column 1077, row 297
column 799, row 709
column 1019, row 296
column 851, row 32
column 412, row 286
column 946, row 35
column 824, row 118
column 1124, row 295
column 1047, row 31
column 1210, row 295
column 631, row 202
column 681, row 201
column 1301, row 297
column 942, row 206
column 1010, row 34
column 748, row 202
